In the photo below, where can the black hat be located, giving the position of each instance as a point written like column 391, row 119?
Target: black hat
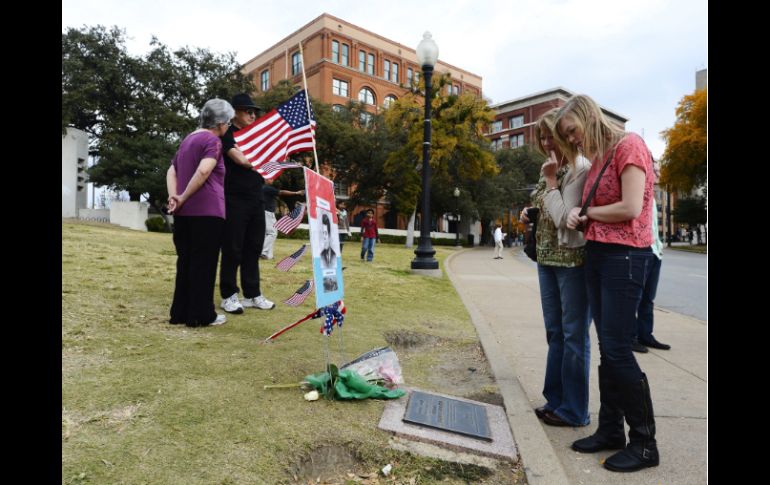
column 243, row 100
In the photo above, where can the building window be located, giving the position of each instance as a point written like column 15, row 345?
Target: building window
column 388, row 99
column 517, row 140
column 395, row 73
column 338, row 108
column 264, row 80
column 335, row 51
column 496, row 126
column 345, row 52
column 409, row 74
column 366, row 96
column 496, row 144
column 296, row 64
column 370, row 65
column 340, row 88
column 455, row 89
column 516, row 122
column 362, row 61
column 416, row 78
column 386, row 69
column 365, row 118
column 340, row 188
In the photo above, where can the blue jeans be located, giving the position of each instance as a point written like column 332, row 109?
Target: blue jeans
column 367, row 247
column 644, row 317
column 615, row 277
column 567, row 318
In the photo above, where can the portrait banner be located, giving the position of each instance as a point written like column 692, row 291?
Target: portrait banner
column 324, row 238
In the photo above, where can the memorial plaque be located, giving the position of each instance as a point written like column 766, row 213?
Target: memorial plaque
column 448, row 414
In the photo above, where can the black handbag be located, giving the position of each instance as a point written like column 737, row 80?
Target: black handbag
column 530, row 248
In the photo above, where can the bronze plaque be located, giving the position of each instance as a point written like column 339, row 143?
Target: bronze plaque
column 448, row 414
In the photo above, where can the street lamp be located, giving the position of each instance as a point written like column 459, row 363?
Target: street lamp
column 427, row 55
column 457, row 216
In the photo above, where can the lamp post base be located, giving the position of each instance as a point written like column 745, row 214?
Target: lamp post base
column 435, row 273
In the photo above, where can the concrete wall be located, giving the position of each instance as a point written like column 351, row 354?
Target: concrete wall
column 99, row 215
column 129, row 214
column 74, row 154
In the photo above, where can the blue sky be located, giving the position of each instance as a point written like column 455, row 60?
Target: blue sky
column 635, row 57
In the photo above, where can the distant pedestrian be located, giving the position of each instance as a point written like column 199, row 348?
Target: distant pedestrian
column 618, row 258
column 269, row 193
column 561, row 274
column 498, row 236
column 644, row 315
column 369, row 235
column 342, row 224
column 196, row 197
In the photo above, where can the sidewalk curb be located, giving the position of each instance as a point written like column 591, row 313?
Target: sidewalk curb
column 540, row 463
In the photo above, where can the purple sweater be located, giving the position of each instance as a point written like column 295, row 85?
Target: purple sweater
column 209, row 200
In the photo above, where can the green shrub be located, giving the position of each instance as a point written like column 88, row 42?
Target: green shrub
column 156, row 224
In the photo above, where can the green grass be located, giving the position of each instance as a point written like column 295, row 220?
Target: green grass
column 148, row 402
column 698, row 248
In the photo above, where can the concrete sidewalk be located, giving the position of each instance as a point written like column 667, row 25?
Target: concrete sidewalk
column 502, row 297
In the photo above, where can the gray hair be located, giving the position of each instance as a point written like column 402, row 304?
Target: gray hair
column 214, row 112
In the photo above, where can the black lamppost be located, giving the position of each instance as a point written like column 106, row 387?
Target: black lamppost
column 427, row 55
column 457, row 216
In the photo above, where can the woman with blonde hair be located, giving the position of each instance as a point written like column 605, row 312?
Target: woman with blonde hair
column 618, row 261
column 563, row 297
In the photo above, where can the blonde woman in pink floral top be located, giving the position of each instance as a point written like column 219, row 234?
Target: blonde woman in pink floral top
column 618, row 260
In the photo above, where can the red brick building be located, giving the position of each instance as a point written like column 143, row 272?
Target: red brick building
column 514, row 123
column 344, row 62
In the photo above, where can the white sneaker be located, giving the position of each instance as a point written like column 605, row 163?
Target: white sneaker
column 232, row 305
column 219, row 320
column 258, row 302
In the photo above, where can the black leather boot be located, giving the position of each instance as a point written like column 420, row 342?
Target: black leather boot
column 642, row 450
column 610, row 435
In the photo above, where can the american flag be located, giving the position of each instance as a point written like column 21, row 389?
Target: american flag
column 271, row 170
column 286, row 263
column 279, row 133
column 290, row 221
column 299, row 296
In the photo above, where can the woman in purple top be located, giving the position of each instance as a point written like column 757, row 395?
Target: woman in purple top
column 196, row 197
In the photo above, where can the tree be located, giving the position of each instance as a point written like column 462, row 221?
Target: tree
column 684, row 161
column 519, row 169
column 459, row 155
column 137, row 109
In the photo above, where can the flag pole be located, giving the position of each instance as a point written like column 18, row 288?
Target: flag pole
column 307, row 103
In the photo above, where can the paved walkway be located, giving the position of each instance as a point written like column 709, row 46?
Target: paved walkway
column 502, row 297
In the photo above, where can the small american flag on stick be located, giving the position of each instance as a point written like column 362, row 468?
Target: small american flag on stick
column 286, row 263
column 299, row 296
column 271, row 170
column 290, row 221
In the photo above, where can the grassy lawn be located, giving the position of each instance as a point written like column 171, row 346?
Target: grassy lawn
column 698, row 248
column 144, row 401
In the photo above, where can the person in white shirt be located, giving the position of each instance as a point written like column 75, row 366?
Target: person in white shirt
column 499, row 235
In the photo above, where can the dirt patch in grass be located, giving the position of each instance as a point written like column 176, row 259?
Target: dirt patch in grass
column 487, row 395
column 406, row 339
column 462, row 369
column 325, row 463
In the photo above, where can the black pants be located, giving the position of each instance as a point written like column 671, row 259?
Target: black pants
column 197, row 240
column 242, row 245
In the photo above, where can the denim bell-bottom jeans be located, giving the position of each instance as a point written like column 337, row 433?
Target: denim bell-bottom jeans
column 615, row 277
column 567, row 318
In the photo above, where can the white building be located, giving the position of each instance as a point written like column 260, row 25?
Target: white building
column 74, row 154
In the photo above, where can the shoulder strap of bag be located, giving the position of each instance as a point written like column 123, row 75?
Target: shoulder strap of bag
column 596, row 183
